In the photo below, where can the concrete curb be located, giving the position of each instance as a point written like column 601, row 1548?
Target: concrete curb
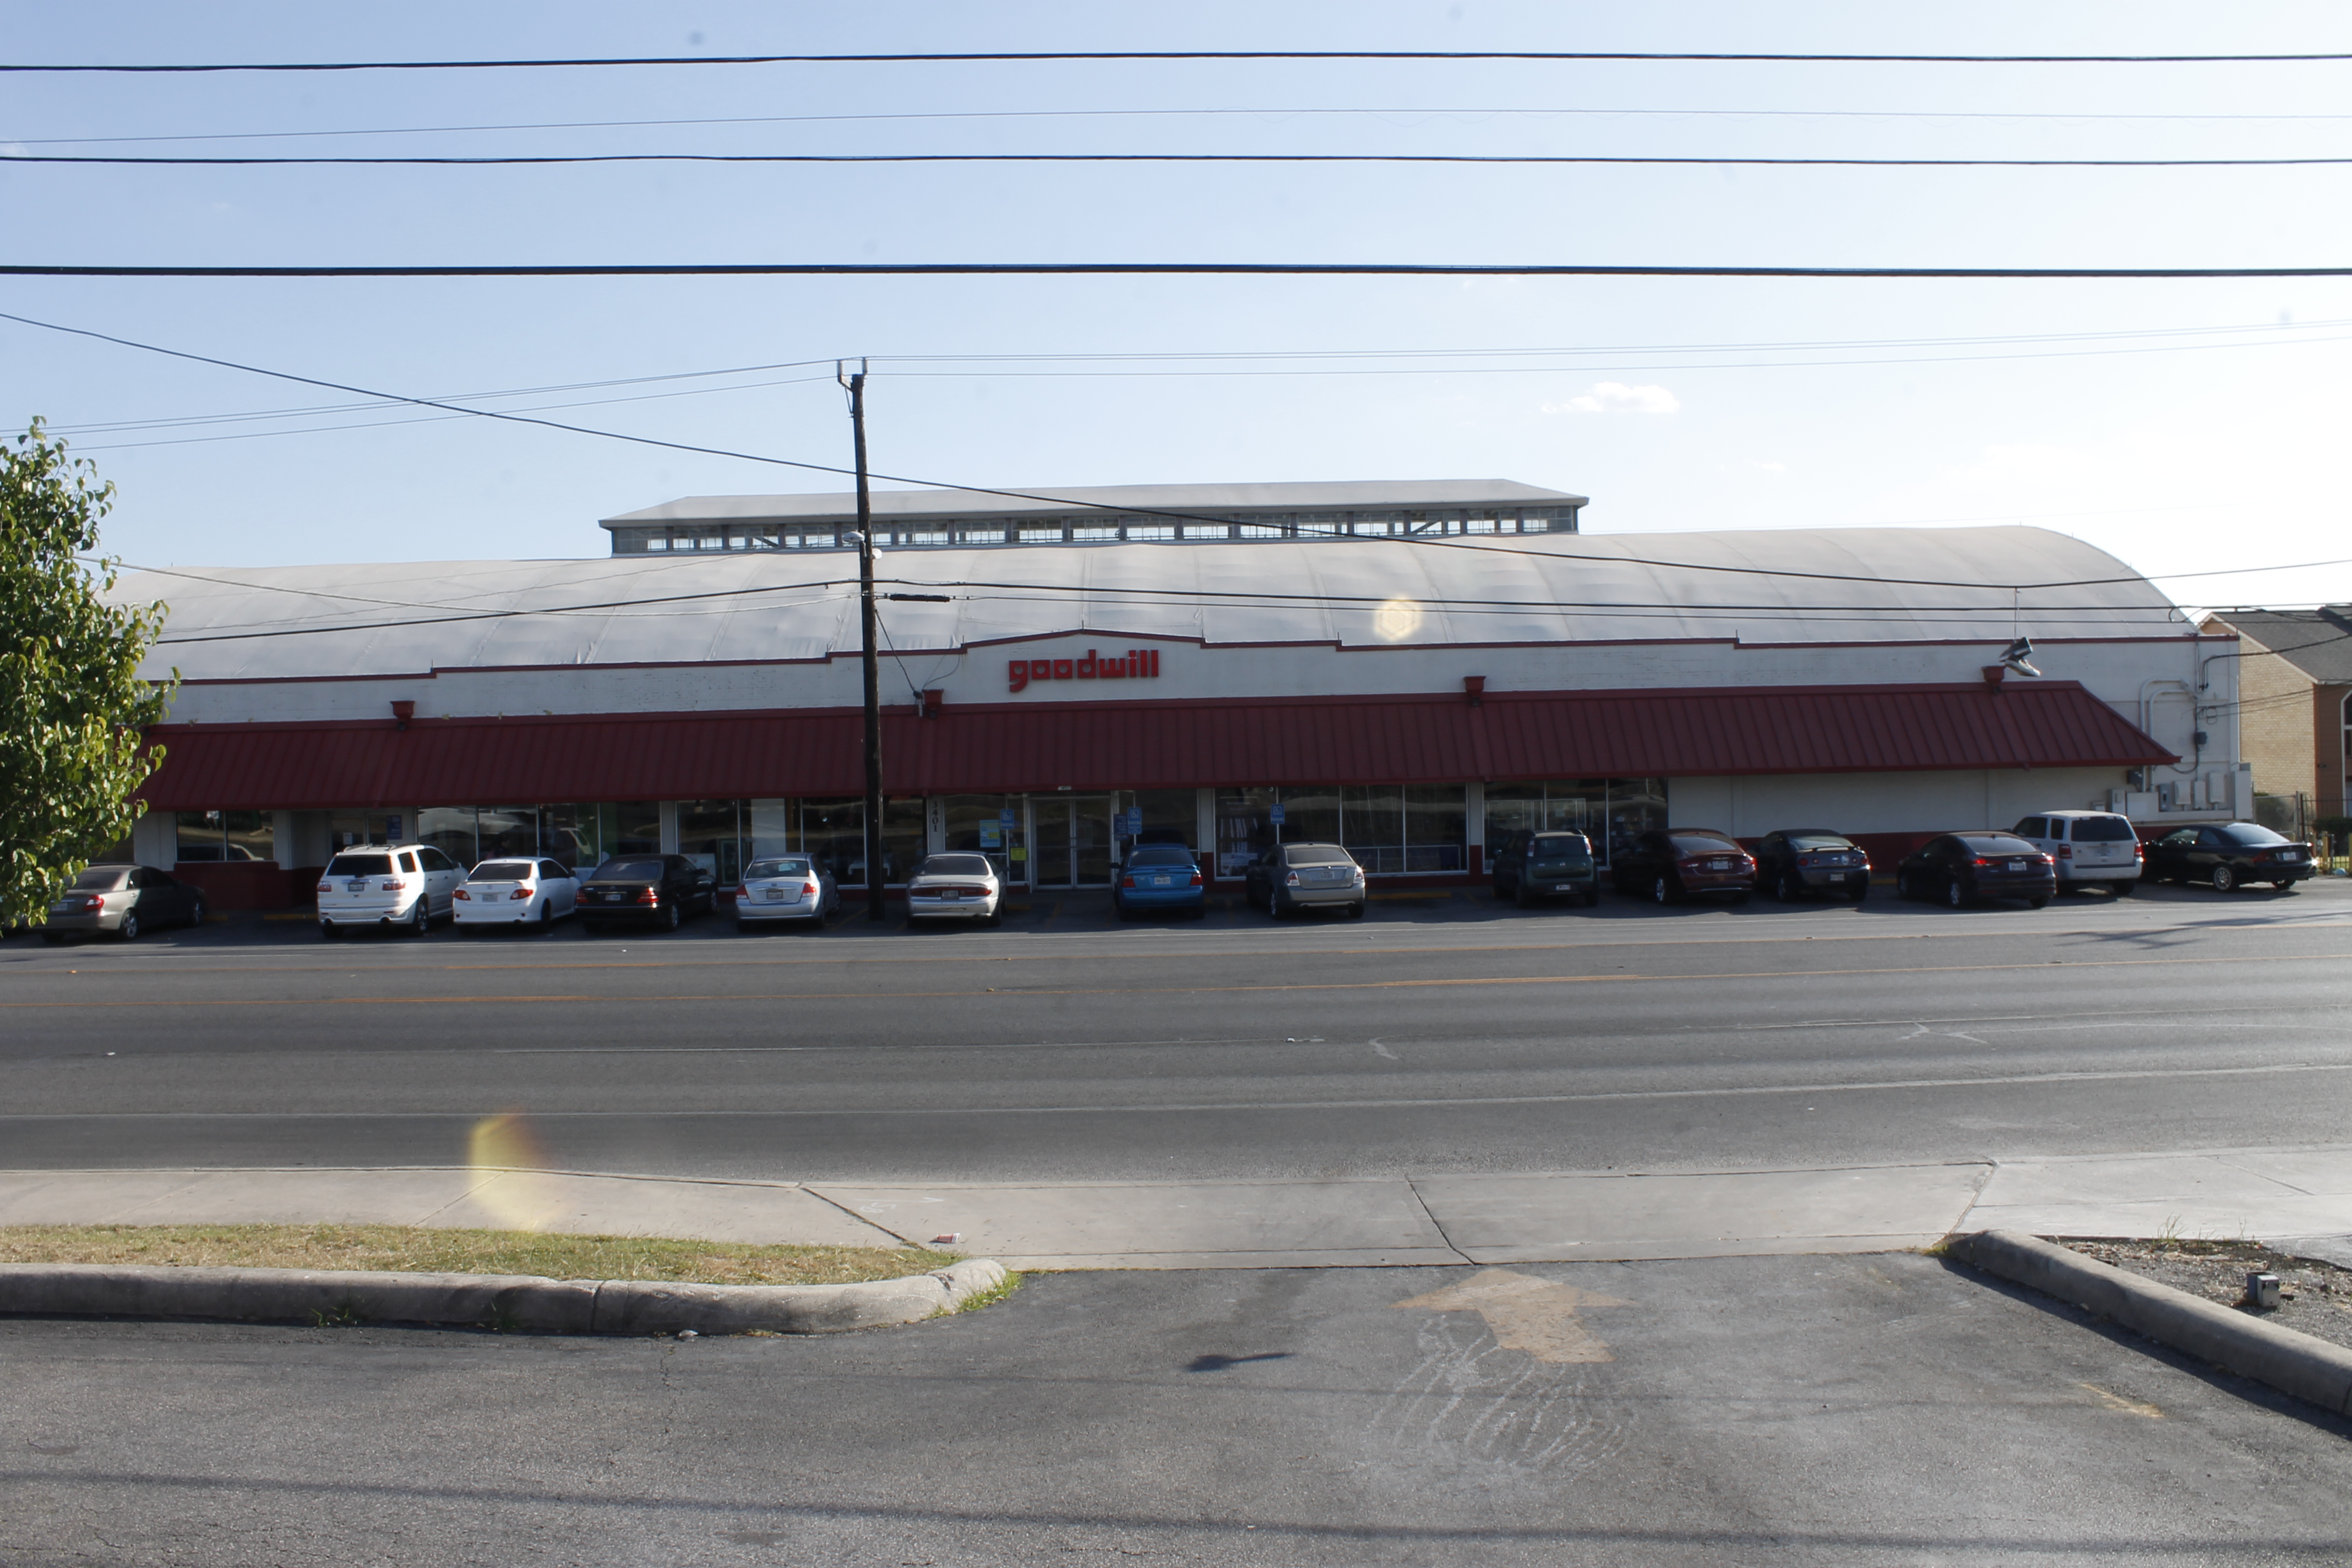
column 519, row 1301
column 2311, row 1370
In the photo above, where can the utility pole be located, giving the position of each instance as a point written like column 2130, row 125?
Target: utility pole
column 875, row 877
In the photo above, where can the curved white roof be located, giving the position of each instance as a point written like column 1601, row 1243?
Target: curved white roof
column 1814, row 585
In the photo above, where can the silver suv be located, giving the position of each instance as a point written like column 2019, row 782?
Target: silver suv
column 2092, row 848
column 395, row 887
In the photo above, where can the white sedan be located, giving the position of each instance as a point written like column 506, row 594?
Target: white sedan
column 954, row 887
column 534, row 894
column 795, row 887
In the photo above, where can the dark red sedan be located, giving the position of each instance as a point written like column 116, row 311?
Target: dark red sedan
column 1670, row 865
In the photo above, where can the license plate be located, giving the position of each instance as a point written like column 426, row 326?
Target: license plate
column 1160, row 882
column 2291, row 855
column 771, row 895
column 355, row 887
column 1561, row 888
column 1837, row 876
column 2017, row 864
column 950, row 896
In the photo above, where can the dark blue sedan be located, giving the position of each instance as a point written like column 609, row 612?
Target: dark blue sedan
column 1159, row 877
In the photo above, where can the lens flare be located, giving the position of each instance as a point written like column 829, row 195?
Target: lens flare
column 514, row 1189
column 1397, row 620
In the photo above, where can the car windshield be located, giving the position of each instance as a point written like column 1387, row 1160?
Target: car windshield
column 1161, row 855
column 1561, row 846
column 1702, row 844
column 360, row 866
column 1315, row 854
column 2106, row 830
column 1819, row 841
column 2251, row 836
column 502, row 871
column 1997, row 844
column 760, row 870
column 629, row 871
column 953, row 865
column 99, row 878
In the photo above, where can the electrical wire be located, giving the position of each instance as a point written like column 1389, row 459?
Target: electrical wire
column 1151, row 268
column 1046, row 56
column 1023, row 495
column 1528, row 159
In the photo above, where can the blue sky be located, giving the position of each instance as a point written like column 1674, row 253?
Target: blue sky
column 2184, row 426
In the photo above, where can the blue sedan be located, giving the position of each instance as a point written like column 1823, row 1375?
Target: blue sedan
column 1159, row 877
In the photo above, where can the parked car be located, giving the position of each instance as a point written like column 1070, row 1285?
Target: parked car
column 1292, row 876
column 1795, row 863
column 1159, row 877
column 1669, row 865
column 122, row 901
column 2229, row 855
column 393, row 887
column 645, row 890
column 1530, row 868
column 795, row 887
column 955, row 887
column 2092, row 848
column 516, row 892
column 1962, row 868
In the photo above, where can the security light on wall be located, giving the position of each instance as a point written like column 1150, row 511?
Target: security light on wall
column 2018, row 657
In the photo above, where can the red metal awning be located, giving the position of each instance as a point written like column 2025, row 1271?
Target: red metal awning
column 1012, row 747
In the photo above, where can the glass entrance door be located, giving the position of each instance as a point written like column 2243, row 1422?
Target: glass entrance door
column 1071, row 840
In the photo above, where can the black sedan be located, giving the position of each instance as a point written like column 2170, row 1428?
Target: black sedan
column 658, row 891
column 1797, row 862
column 2229, row 855
column 1963, row 868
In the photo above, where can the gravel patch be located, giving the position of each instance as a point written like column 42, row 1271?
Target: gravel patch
column 2316, row 1297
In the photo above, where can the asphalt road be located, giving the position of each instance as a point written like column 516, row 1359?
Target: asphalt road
column 1856, row 1411
column 1447, row 1036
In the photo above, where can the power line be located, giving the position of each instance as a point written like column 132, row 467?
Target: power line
column 1273, row 112
column 1148, row 269
column 1423, row 541
column 1049, row 56
column 1523, row 160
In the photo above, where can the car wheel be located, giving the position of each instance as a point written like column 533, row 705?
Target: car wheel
column 1659, row 893
column 129, row 929
column 1903, row 888
column 2039, row 902
column 329, row 931
column 1860, row 893
column 2285, row 885
column 1955, row 895
column 1788, row 890
column 1356, row 911
column 1740, row 897
column 1519, row 895
column 2125, row 889
column 1593, row 898
column 423, row 923
column 53, row 937
column 670, row 916
column 2225, row 879
column 197, row 912
column 546, row 917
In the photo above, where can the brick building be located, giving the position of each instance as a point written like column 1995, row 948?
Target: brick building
column 2294, row 693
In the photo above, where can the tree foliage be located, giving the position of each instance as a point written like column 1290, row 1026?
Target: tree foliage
column 72, row 705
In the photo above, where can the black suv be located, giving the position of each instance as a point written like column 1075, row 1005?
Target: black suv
column 645, row 890
column 1532, row 866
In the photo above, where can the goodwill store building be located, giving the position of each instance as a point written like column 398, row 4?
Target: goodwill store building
column 1413, row 670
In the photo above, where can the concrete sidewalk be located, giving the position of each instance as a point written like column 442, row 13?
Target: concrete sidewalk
column 2271, row 1194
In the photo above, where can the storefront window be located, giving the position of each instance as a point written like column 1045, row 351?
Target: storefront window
column 771, row 827
column 628, row 828
column 226, row 835
column 1374, row 826
column 990, row 825
column 1393, row 828
column 1437, row 825
column 1170, row 817
column 835, row 829
column 452, row 830
column 711, row 834
column 1589, row 806
column 1244, row 827
column 1310, row 815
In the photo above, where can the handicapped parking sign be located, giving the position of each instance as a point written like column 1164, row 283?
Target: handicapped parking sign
column 1275, row 813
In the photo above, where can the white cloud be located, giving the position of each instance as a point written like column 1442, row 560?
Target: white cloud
column 1616, row 397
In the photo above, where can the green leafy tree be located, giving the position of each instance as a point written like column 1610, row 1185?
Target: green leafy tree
column 72, row 705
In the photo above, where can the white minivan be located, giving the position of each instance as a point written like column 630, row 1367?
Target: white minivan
column 2092, row 848
column 396, row 886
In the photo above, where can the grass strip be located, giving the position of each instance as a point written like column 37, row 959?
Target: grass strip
column 418, row 1249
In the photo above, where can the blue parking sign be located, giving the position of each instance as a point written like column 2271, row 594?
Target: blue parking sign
column 1273, row 814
